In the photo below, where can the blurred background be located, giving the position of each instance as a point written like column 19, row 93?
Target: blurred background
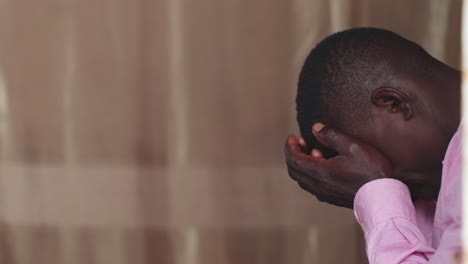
column 152, row 131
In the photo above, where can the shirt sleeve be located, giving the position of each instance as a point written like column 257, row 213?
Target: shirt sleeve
column 386, row 213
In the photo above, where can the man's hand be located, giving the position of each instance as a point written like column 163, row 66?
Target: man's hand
column 335, row 180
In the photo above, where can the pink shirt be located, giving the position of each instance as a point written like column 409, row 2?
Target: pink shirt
column 398, row 231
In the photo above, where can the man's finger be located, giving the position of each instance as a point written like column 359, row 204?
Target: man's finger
column 296, row 158
column 316, row 153
column 303, row 145
column 292, row 149
column 302, row 142
column 306, row 176
column 292, row 144
column 333, row 139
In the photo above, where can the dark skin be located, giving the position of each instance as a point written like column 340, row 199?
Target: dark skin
column 412, row 120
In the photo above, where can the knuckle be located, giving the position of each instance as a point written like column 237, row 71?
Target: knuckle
column 331, row 132
column 322, row 180
column 354, row 148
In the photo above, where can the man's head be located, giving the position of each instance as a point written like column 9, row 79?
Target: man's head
column 386, row 91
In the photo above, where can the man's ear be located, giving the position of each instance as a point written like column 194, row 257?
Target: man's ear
column 393, row 100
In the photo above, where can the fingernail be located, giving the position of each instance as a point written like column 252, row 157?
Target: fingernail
column 316, row 153
column 318, row 126
column 301, row 140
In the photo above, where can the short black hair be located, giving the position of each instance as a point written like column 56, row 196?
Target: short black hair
column 341, row 71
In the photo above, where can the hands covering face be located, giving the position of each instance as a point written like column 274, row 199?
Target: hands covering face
column 335, row 180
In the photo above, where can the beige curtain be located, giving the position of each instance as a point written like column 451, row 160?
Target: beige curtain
column 152, row 131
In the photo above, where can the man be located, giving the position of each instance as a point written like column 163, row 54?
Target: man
column 380, row 125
